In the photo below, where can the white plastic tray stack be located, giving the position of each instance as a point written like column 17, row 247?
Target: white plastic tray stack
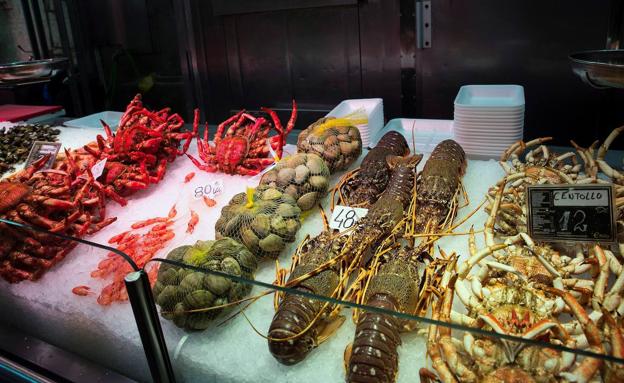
column 488, row 118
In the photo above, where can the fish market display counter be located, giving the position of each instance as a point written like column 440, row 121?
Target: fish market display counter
column 229, row 350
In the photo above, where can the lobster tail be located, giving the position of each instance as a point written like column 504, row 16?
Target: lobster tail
column 374, row 356
column 294, row 314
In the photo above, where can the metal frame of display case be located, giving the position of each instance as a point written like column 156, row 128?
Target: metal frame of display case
column 148, row 323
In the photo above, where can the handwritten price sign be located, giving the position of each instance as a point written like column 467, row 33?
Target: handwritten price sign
column 581, row 213
column 344, row 217
column 210, row 189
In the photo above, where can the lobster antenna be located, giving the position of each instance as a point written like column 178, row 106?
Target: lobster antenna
column 324, row 217
column 413, row 136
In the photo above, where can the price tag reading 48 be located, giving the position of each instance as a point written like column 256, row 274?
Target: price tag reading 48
column 209, row 189
column 580, row 213
column 344, row 217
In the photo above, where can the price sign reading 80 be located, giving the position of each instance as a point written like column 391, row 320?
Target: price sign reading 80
column 344, row 217
column 210, row 189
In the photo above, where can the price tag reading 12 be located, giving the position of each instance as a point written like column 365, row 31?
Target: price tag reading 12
column 344, row 217
column 209, row 189
column 581, row 213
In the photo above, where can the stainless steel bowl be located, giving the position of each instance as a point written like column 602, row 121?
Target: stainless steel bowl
column 600, row 69
column 30, row 70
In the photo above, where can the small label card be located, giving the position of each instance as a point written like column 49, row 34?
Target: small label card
column 210, row 189
column 96, row 170
column 344, row 217
column 40, row 149
column 581, row 213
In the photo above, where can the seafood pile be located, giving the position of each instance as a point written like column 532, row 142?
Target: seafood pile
column 264, row 220
column 568, row 295
column 16, row 142
column 323, row 264
column 192, row 299
column 141, row 246
column 339, row 145
column 363, row 186
column 137, row 154
column 68, row 200
column 51, row 200
column 523, row 293
column 245, row 147
column 392, row 281
column 539, row 166
column 303, row 176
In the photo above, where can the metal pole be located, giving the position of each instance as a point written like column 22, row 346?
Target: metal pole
column 146, row 317
column 43, row 40
column 32, row 35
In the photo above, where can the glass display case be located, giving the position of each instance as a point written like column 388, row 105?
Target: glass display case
column 407, row 260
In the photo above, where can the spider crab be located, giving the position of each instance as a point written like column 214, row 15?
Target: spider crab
column 244, row 147
column 138, row 152
column 520, row 290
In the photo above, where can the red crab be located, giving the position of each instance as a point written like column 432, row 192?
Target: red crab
column 53, row 200
column 138, row 152
column 244, row 149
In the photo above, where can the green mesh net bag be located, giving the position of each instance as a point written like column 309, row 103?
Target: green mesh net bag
column 303, row 176
column 264, row 220
column 185, row 296
column 336, row 141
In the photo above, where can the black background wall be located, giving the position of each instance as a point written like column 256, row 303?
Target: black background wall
column 222, row 55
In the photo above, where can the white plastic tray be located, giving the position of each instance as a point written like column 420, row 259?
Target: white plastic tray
column 510, row 97
column 93, row 121
column 421, row 135
column 373, row 108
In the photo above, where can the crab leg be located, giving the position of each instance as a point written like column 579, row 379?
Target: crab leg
column 207, row 167
column 601, row 281
column 589, row 366
column 452, row 365
column 221, row 127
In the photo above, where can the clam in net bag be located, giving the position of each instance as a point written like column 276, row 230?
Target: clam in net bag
column 264, row 220
column 303, row 176
column 187, row 296
column 336, row 140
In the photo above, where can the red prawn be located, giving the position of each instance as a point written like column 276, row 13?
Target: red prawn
column 189, row 177
column 82, row 290
column 209, row 201
column 192, row 222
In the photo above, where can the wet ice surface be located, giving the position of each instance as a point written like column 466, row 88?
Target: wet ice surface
column 231, row 352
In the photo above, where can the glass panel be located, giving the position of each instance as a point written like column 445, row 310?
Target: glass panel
column 238, row 334
column 64, row 306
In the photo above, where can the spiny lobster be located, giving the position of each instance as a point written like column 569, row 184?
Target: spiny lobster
column 438, row 184
column 362, row 186
column 320, row 263
column 391, row 282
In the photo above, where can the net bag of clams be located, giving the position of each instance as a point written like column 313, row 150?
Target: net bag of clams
column 186, row 296
column 264, row 220
column 334, row 139
column 303, row 176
